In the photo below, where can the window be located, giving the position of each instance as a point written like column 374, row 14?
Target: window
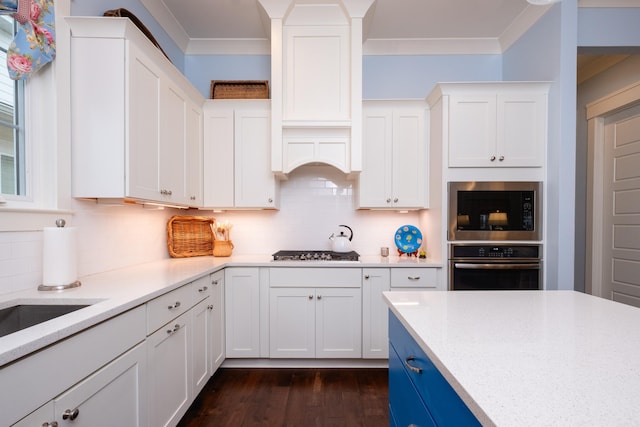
column 12, row 146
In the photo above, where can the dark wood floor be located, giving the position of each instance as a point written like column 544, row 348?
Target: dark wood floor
column 292, row 397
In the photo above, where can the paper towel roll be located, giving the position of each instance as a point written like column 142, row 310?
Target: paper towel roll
column 59, row 256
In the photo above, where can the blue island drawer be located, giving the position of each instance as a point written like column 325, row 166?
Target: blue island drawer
column 406, row 408
column 444, row 404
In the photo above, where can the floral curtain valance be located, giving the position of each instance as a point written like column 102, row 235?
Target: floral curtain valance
column 34, row 45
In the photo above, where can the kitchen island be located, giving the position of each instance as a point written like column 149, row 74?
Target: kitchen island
column 521, row 358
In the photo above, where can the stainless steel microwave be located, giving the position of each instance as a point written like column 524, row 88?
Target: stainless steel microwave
column 495, row 211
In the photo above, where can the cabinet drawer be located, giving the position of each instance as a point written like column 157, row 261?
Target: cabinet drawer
column 315, row 277
column 414, row 277
column 406, row 408
column 201, row 288
column 443, row 403
column 169, row 306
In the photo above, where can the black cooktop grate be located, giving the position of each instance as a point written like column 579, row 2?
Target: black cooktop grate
column 315, row 255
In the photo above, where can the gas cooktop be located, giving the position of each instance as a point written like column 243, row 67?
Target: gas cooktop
column 318, row 255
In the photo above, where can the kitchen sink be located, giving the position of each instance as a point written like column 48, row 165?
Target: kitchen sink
column 18, row 317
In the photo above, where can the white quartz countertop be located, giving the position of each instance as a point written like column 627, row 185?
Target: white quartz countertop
column 531, row 358
column 117, row 291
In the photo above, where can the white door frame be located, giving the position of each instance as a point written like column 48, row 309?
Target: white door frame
column 597, row 111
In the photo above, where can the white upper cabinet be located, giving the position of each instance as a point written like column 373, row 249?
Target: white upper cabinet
column 493, row 124
column 394, row 155
column 237, row 172
column 136, row 120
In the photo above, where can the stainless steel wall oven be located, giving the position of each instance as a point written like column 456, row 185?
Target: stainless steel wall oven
column 495, row 267
column 495, row 211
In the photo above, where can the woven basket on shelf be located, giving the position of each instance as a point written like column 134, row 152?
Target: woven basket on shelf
column 239, row 89
column 222, row 247
column 189, row 236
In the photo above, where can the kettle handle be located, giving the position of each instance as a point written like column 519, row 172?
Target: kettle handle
column 350, row 231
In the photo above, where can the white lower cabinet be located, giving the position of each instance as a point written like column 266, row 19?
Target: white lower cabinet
column 375, row 340
column 114, row 395
column 169, row 381
column 375, row 281
column 201, row 344
column 217, row 336
column 315, row 313
column 242, row 312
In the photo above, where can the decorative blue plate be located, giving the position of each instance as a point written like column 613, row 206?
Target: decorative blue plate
column 408, row 239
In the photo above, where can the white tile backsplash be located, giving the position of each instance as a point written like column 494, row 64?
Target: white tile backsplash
column 315, row 200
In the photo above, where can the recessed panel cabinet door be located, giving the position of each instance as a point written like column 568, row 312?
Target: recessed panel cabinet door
column 292, row 322
column 338, row 323
column 112, row 396
column 472, row 130
column 143, row 164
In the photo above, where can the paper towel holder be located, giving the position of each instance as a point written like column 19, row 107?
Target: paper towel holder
column 59, row 223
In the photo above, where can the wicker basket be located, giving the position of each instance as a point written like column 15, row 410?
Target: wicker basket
column 239, row 89
column 222, row 247
column 189, row 236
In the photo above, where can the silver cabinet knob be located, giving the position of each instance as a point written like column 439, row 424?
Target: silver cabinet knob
column 215, row 282
column 492, row 158
column 70, row 414
column 366, row 276
column 319, row 297
column 395, row 200
column 388, row 199
column 310, row 296
column 270, row 200
column 501, row 158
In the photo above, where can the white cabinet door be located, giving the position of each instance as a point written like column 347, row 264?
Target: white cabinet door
column 521, row 129
column 409, row 158
column 394, row 156
column 472, row 130
column 255, row 184
column 375, row 337
column 143, row 142
column 338, row 323
column 218, row 149
column 112, row 396
column 201, row 339
column 292, row 322
column 217, row 340
column 237, row 155
column 173, row 125
column 242, row 312
column 320, row 323
column 193, row 164
column 169, row 366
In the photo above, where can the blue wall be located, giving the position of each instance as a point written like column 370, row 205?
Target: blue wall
column 609, row 27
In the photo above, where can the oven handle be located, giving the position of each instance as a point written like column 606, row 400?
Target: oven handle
column 471, row 266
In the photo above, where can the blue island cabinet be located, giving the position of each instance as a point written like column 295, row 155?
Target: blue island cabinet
column 418, row 394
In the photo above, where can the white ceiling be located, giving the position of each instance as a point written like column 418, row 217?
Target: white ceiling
column 423, row 26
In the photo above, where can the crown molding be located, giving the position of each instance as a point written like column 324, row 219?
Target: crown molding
column 608, row 3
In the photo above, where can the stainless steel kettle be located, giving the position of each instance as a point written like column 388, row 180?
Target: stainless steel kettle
column 341, row 242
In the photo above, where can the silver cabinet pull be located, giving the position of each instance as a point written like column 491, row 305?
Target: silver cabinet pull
column 202, row 289
column 166, row 192
column 175, row 329
column 501, row 158
column 413, row 277
column 210, row 307
column 176, row 305
column 215, row 282
column 410, row 366
column 51, row 424
column 70, row 414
